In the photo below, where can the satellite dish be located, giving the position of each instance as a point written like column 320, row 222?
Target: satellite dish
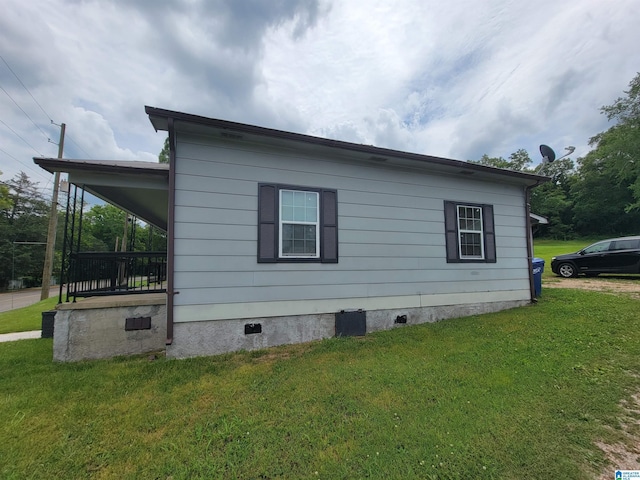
column 548, row 155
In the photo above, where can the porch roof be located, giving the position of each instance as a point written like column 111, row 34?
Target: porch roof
column 140, row 188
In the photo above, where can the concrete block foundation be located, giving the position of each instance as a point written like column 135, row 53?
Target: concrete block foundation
column 192, row 339
column 95, row 327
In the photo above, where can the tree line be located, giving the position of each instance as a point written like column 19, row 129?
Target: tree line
column 598, row 195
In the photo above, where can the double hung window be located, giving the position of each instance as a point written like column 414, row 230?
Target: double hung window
column 470, row 242
column 297, row 224
column 470, row 234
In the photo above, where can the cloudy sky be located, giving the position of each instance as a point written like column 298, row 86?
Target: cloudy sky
column 456, row 79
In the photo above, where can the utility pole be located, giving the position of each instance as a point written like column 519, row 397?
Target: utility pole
column 53, row 223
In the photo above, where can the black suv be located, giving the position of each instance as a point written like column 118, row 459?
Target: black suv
column 616, row 255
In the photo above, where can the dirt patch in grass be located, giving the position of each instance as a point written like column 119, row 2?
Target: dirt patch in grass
column 286, row 352
column 625, row 454
column 630, row 287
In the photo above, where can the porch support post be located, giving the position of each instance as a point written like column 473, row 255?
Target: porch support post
column 64, row 250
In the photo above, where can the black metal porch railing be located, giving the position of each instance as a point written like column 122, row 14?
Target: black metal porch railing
column 114, row 273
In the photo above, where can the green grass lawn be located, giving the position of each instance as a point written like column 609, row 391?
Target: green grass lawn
column 520, row 394
column 27, row 318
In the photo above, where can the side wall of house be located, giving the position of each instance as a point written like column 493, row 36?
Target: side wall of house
column 391, row 242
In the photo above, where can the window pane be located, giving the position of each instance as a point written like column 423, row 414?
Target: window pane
column 470, row 218
column 298, row 239
column 287, row 197
column 310, row 247
column 312, row 214
column 299, row 198
column 298, row 232
column 299, row 214
column 312, row 199
column 287, row 213
column 471, row 245
column 298, row 246
column 598, row 247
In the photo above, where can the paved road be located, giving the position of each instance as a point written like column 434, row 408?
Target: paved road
column 24, row 298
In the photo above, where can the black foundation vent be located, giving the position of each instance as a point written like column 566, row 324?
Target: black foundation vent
column 137, row 323
column 250, row 328
column 351, row 323
column 401, row 319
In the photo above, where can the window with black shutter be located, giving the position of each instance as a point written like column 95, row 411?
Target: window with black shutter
column 297, row 224
column 469, row 231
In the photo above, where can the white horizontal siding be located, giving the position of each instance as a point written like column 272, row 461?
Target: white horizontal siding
column 247, row 263
column 276, row 166
column 330, row 277
column 391, row 229
column 203, row 296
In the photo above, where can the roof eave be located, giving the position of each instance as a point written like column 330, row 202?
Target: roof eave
column 160, row 120
column 53, row 165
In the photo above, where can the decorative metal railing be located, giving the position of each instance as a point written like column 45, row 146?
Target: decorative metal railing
column 116, row 273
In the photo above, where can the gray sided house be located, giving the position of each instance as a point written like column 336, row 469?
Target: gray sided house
column 277, row 238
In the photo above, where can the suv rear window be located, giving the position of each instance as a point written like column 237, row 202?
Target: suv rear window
column 625, row 244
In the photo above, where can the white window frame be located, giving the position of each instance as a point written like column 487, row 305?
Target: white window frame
column 463, row 230
column 281, row 254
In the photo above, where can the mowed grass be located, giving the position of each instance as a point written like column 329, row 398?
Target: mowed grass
column 26, row 318
column 520, row 394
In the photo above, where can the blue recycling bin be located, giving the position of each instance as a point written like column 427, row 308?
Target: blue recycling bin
column 538, row 268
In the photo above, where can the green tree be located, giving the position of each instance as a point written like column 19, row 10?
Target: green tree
column 163, row 157
column 5, row 200
column 617, row 150
column 606, row 191
column 601, row 201
column 103, row 226
column 23, row 218
column 553, row 199
column 518, row 160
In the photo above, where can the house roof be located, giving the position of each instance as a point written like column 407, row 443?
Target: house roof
column 139, row 188
column 232, row 130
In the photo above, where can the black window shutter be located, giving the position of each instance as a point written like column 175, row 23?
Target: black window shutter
column 451, row 231
column 329, row 227
column 267, row 223
column 489, row 234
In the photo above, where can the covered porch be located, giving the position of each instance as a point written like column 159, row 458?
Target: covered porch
column 111, row 303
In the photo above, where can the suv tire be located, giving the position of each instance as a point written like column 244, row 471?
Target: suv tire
column 567, row 270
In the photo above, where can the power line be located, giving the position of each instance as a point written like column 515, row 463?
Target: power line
column 25, row 113
column 18, row 135
column 41, row 108
column 26, row 165
column 25, row 87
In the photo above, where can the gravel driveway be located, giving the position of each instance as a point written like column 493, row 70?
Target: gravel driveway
column 613, row 284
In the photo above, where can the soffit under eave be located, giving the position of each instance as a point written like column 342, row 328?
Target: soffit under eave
column 150, row 206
